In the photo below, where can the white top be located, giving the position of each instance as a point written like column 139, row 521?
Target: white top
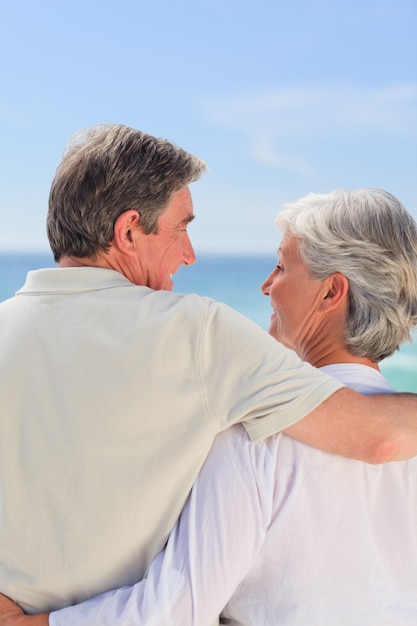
column 111, row 396
column 294, row 536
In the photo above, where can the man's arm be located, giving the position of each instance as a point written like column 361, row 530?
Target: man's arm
column 269, row 388
column 374, row 429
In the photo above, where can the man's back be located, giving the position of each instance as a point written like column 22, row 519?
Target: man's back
column 82, row 412
column 111, row 397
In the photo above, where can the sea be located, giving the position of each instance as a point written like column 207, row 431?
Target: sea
column 234, row 280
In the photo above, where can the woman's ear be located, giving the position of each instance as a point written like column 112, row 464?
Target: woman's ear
column 337, row 292
column 125, row 229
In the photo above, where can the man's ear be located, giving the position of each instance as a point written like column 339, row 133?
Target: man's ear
column 337, row 292
column 125, row 229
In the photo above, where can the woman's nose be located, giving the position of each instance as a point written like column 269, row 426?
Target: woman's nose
column 266, row 285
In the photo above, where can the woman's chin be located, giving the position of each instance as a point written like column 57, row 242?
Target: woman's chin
column 273, row 331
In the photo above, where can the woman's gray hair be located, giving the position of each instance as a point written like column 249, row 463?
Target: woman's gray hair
column 105, row 171
column 367, row 235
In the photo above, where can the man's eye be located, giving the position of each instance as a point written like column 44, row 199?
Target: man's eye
column 279, row 267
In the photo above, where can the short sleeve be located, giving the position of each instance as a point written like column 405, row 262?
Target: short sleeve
column 249, row 377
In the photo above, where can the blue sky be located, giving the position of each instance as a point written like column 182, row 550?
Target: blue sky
column 280, row 98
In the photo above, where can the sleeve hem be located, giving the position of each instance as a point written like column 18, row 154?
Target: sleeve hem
column 283, row 418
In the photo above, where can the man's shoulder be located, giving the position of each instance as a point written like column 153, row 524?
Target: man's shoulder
column 192, row 305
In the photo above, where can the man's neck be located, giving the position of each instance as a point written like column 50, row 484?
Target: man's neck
column 71, row 261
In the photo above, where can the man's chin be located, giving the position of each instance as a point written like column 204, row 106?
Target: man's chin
column 169, row 286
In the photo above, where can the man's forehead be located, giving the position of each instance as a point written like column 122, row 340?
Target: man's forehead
column 183, row 213
column 180, row 209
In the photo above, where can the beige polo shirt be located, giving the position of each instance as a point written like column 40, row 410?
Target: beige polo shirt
column 111, row 395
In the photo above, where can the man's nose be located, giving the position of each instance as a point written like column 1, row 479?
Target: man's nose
column 188, row 251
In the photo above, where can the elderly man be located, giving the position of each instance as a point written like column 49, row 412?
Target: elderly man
column 113, row 388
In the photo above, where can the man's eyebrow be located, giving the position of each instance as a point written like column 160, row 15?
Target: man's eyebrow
column 186, row 220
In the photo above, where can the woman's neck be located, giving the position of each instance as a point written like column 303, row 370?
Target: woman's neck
column 326, row 346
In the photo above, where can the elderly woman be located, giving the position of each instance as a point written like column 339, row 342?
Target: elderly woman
column 278, row 532
column 345, row 286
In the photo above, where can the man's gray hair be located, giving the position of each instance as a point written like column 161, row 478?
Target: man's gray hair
column 367, row 235
column 105, row 171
